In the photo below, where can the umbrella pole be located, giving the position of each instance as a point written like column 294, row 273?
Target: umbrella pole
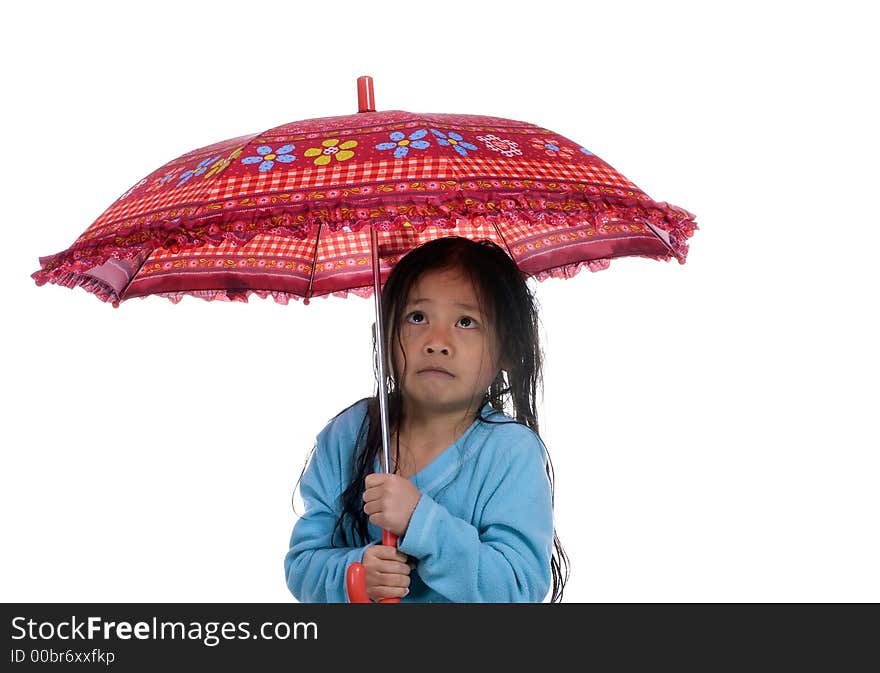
column 355, row 574
column 380, row 341
column 355, row 580
column 366, row 103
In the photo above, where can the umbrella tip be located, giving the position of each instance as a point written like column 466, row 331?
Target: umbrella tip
column 366, row 101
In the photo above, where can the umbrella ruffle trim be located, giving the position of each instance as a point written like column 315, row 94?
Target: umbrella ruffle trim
column 105, row 293
column 670, row 223
column 284, row 298
column 71, row 280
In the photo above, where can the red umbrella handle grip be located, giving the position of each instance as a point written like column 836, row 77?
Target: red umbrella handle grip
column 356, row 576
column 356, row 583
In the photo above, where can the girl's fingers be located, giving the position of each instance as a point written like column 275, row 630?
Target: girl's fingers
column 395, row 556
column 393, row 568
column 388, row 592
column 386, row 561
column 393, row 580
column 386, row 553
column 373, row 506
column 389, row 567
column 387, row 585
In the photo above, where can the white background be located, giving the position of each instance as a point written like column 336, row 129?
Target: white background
column 712, row 424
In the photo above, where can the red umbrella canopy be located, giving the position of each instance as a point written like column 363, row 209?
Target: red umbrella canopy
column 288, row 212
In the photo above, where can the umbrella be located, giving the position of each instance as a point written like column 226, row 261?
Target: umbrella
column 327, row 206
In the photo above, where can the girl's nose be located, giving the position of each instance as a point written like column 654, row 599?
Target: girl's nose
column 438, row 342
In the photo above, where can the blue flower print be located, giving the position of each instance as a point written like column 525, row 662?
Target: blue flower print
column 198, row 170
column 455, row 141
column 402, row 144
column 587, row 152
column 268, row 158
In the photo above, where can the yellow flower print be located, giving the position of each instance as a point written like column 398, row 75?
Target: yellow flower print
column 222, row 164
column 332, row 148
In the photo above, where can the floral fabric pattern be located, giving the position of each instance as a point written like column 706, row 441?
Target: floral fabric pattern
column 221, row 165
column 198, row 170
column 331, row 149
column 552, row 147
column 506, row 147
column 401, row 144
column 455, row 141
column 267, row 157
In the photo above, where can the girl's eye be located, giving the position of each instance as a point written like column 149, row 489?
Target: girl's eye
column 418, row 318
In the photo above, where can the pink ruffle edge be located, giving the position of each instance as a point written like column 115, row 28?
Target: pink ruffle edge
column 68, row 268
column 284, row 298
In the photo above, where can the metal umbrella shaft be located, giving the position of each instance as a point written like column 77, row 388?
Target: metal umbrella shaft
column 366, row 103
column 380, row 341
column 355, row 574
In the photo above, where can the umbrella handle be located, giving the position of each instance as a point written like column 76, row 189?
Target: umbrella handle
column 356, row 576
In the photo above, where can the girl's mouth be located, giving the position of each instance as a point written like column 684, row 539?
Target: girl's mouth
column 436, row 372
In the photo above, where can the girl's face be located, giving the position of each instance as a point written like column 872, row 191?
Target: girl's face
column 450, row 345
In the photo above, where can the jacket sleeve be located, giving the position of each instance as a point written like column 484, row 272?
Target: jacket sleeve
column 505, row 558
column 315, row 569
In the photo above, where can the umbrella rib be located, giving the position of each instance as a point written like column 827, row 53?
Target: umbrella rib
column 314, row 262
column 494, row 224
column 501, row 236
column 664, row 237
column 121, row 293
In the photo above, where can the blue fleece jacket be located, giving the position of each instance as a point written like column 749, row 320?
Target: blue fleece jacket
column 481, row 532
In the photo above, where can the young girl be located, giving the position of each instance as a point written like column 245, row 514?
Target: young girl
column 470, row 492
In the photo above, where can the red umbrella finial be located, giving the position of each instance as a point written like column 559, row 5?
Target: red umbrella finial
column 366, row 102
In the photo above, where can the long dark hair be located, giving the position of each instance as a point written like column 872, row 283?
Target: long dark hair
column 502, row 291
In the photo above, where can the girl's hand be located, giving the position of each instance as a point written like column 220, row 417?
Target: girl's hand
column 390, row 500
column 387, row 572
